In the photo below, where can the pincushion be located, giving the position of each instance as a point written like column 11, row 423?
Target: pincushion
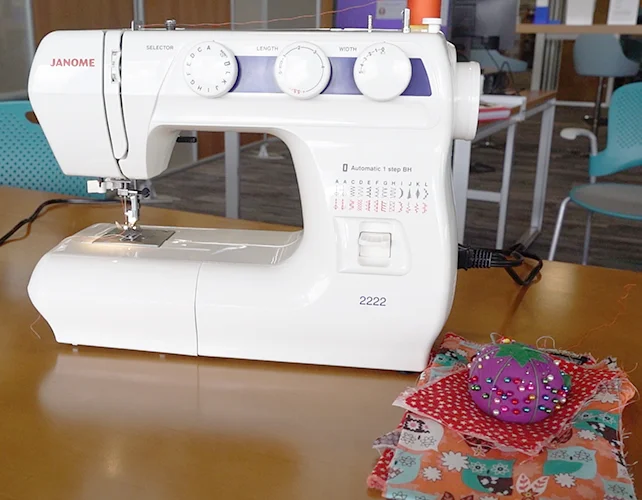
column 517, row 383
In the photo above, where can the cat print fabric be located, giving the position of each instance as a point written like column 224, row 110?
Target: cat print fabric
column 425, row 460
column 420, row 434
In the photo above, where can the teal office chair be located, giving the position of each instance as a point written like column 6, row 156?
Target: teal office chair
column 26, row 160
column 601, row 56
column 623, row 151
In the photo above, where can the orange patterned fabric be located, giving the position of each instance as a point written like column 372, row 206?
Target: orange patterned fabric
column 426, row 460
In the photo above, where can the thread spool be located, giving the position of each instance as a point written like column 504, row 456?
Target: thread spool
column 423, row 9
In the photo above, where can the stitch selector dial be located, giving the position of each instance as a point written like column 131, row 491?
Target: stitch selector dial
column 210, row 69
column 382, row 72
column 302, row 70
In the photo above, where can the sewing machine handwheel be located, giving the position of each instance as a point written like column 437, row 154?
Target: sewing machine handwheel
column 210, row 69
column 302, row 70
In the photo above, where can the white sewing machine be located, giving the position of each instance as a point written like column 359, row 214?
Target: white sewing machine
column 369, row 118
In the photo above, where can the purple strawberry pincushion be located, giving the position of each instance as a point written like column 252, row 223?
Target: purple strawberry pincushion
column 517, row 383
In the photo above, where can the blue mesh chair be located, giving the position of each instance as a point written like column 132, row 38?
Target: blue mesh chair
column 26, row 160
column 623, row 151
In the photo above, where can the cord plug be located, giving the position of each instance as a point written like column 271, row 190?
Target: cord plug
column 474, row 258
column 486, row 258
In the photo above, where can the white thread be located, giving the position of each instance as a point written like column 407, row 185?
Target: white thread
column 545, row 345
column 33, row 329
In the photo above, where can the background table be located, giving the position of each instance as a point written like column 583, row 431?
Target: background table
column 526, row 105
column 543, row 64
column 571, row 29
column 103, row 424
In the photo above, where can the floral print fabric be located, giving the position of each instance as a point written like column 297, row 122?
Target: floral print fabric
column 428, row 459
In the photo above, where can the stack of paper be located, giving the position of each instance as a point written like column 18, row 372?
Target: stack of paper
column 580, row 12
column 491, row 113
column 623, row 12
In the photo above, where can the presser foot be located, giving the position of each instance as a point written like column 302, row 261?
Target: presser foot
column 130, row 195
column 130, row 233
column 138, row 236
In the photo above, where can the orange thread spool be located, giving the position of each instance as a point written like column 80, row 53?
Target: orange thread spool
column 422, row 9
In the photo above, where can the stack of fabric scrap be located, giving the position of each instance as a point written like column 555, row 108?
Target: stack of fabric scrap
column 446, row 448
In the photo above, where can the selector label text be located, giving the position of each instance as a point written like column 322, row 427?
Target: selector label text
column 160, row 47
column 347, row 49
column 267, row 48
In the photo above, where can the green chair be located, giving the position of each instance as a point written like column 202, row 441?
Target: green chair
column 623, row 151
column 26, row 160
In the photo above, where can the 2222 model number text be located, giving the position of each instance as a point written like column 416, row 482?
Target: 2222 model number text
column 367, row 300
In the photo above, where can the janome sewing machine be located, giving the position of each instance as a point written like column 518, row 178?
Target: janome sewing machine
column 369, row 118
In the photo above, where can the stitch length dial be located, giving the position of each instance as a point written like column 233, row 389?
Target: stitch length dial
column 302, row 70
column 210, row 69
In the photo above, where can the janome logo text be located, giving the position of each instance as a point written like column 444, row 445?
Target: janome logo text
column 89, row 63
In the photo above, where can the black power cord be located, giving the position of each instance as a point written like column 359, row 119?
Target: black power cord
column 44, row 205
column 486, row 258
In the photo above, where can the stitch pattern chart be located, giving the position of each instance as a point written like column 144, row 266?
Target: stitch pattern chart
column 381, row 196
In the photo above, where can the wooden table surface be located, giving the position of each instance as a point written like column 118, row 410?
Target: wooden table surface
column 105, row 424
column 536, row 97
column 569, row 29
